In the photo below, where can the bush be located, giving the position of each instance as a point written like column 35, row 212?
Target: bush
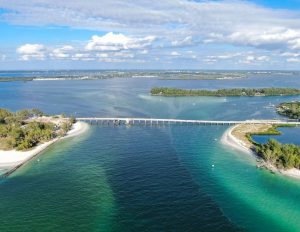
column 281, row 155
column 16, row 132
column 4, row 114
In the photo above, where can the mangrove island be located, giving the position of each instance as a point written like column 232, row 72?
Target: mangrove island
column 236, row 92
column 289, row 109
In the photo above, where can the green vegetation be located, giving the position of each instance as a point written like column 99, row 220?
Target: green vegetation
column 271, row 131
column 73, row 119
column 225, row 92
column 289, row 109
column 25, row 129
column 9, row 79
column 283, row 156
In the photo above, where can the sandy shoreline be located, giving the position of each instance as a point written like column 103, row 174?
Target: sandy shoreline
column 229, row 140
column 13, row 159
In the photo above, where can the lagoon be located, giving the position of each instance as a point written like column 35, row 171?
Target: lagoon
column 288, row 135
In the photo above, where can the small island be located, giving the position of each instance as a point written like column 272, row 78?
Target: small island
column 26, row 133
column 289, row 109
column 236, row 92
column 273, row 155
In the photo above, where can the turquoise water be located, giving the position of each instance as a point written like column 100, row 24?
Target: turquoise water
column 144, row 178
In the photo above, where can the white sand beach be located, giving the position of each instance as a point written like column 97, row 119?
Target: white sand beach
column 13, row 158
column 229, row 140
column 77, row 129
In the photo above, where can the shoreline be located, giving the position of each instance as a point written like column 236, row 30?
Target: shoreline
column 12, row 160
column 231, row 141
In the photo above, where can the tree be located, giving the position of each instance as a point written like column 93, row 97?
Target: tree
column 4, row 114
column 73, row 119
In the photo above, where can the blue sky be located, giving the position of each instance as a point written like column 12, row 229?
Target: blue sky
column 170, row 34
column 280, row 4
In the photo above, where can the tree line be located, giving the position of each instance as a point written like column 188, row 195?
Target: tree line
column 163, row 91
column 20, row 133
column 283, row 156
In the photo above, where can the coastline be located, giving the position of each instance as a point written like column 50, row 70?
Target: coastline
column 228, row 139
column 12, row 160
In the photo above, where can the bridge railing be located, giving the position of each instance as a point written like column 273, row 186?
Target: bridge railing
column 151, row 121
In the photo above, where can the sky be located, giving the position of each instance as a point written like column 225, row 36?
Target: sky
column 146, row 34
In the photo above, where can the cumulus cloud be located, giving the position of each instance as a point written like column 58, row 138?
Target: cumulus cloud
column 62, row 53
column 181, row 21
column 107, row 48
column 140, row 29
column 117, row 42
column 274, row 38
column 239, row 57
column 31, row 51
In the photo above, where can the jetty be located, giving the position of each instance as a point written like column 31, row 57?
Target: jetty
column 163, row 121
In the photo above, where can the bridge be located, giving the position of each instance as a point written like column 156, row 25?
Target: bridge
column 161, row 121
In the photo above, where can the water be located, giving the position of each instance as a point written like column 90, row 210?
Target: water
column 288, row 135
column 146, row 178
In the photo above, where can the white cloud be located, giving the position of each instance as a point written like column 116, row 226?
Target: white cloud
column 82, row 56
column 254, row 59
column 31, row 51
column 112, row 60
column 293, row 60
column 239, row 57
column 184, row 42
column 295, row 43
column 123, row 54
column 274, row 38
column 174, row 53
column 263, row 58
column 62, row 53
column 102, row 55
column 225, row 56
column 143, row 30
column 290, row 54
column 144, row 52
column 114, row 56
column 181, row 21
column 117, row 42
column 108, row 48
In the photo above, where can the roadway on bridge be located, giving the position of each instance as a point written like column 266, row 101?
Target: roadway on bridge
column 174, row 121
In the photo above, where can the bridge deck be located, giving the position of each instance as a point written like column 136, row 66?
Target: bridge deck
column 180, row 121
